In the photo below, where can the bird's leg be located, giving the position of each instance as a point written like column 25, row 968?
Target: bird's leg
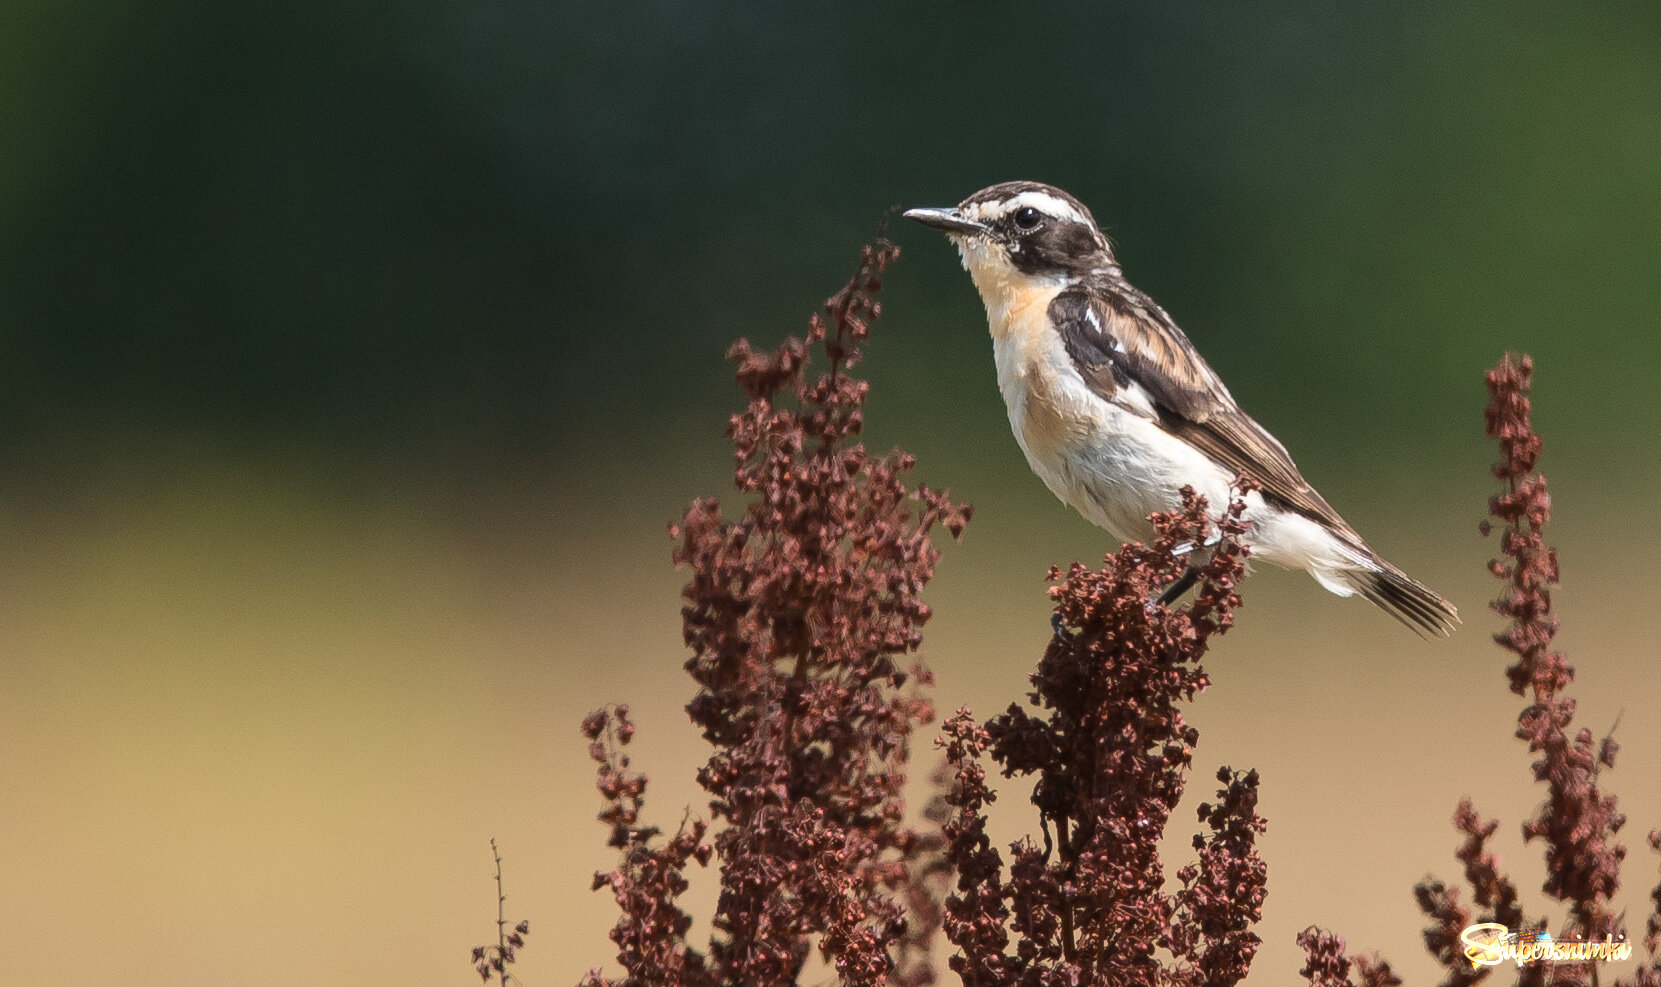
column 1191, row 575
column 1184, row 583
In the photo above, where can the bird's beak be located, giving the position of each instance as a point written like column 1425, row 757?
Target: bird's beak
column 946, row 220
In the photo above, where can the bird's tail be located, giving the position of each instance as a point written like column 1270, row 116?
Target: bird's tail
column 1413, row 603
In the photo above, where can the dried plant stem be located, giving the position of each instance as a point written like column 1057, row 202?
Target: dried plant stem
column 495, row 959
column 501, row 904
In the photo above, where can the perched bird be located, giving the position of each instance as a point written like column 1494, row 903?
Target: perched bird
column 1116, row 411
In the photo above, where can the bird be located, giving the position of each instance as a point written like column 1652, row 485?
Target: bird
column 1116, row 411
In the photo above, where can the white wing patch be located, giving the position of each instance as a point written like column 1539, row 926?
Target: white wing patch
column 1096, row 324
column 1135, row 397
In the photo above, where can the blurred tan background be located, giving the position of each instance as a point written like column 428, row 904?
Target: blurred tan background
column 352, row 364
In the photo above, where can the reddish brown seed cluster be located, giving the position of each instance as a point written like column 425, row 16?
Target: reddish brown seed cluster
column 1528, row 565
column 1578, row 822
column 651, row 933
column 800, row 612
column 1329, row 966
column 1106, row 739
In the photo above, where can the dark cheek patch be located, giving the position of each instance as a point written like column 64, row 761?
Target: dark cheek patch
column 1067, row 248
column 1074, row 243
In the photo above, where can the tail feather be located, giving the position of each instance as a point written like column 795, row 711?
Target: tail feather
column 1422, row 609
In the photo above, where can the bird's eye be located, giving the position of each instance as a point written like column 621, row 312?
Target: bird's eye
column 1027, row 219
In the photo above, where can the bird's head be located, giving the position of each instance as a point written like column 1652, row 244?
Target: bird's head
column 1017, row 233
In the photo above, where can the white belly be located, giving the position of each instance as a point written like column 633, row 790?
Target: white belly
column 1115, row 466
column 1118, row 468
column 1111, row 464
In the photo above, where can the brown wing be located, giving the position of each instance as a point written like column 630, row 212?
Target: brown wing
column 1123, row 343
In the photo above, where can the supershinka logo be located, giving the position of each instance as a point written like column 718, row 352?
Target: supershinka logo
column 1490, row 944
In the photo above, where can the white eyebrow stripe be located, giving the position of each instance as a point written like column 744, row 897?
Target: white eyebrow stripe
column 1047, row 204
column 1044, row 202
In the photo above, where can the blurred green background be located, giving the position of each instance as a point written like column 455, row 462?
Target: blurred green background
column 354, row 358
